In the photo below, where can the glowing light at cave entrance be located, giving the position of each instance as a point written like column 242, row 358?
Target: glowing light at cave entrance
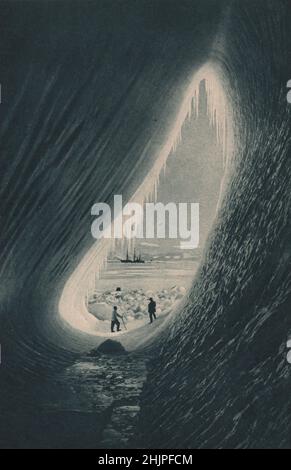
column 72, row 305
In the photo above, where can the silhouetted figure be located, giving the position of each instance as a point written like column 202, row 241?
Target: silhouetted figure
column 114, row 320
column 118, row 293
column 152, row 309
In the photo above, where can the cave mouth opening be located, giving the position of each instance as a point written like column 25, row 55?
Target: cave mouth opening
column 193, row 167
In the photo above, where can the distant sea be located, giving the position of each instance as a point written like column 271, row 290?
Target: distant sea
column 155, row 275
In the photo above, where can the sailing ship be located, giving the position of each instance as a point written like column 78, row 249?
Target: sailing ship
column 136, row 259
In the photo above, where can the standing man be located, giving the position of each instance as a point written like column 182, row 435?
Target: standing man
column 114, row 320
column 152, row 309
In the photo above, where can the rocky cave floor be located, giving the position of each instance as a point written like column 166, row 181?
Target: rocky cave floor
column 95, row 403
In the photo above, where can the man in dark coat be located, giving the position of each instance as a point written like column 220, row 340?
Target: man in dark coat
column 152, row 309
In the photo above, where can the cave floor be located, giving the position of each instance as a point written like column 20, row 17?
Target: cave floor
column 95, row 402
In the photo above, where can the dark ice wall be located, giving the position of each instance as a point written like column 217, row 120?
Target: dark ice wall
column 88, row 95
column 222, row 379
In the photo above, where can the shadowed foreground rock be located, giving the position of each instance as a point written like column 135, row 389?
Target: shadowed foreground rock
column 108, row 347
column 104, row 392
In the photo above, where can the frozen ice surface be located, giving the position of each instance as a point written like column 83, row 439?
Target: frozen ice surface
column 132, row 305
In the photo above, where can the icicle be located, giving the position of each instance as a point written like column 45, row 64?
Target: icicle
column 73, row 301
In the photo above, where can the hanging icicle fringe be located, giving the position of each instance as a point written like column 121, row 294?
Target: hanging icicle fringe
column 72, row 305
